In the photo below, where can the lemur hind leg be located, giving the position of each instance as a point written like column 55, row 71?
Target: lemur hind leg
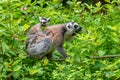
column 49, row 55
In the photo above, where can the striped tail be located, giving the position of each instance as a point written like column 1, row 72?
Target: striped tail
column 40, row 48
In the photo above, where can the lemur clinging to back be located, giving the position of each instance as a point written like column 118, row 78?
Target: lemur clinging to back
column 53, row 40
column 36, row 28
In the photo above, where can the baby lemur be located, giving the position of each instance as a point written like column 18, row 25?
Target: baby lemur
column 45, row 44
column 36, row 28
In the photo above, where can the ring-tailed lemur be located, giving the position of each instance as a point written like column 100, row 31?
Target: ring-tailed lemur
column 44, row 45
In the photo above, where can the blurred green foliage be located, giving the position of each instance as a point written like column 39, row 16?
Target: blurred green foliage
column 100, row 36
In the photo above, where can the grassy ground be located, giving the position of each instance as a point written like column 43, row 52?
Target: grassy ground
column 100, row 37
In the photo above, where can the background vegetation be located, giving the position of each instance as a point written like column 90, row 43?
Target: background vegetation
column 100, row 36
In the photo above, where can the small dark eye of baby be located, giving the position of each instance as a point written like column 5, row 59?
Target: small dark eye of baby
column 44, row 22
column 75, row 26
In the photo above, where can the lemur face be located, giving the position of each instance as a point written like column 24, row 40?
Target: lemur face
column 44, row 21
column 72, row 27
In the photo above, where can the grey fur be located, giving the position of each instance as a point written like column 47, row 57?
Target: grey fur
column 40, row 48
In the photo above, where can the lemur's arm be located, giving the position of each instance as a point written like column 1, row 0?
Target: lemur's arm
column 62, row 51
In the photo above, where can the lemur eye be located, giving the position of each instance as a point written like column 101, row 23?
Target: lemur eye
column 68, row 26
column 75, row 26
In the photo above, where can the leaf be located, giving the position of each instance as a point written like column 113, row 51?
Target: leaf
column 11, row 52
column 77, row 59
column 98, row 4
column 4, row 47
column 6, row 64
column 40, row 72
column 7, row 54
column 111, row 66
column 16, row 74
column 1, row 8
column 1, row 32
column 26, row 26
column 69, row 2
column 107, row 1
column 117, row 73
column 33, row 71
column 18, row 4
column 101, row 52
column 19, row 21
column 16, row 62
column 109, row 74
column 1, row 67
column 17, row 68
column 22, row 56
column 45, row 62
column 68, row 60
column 114, row 28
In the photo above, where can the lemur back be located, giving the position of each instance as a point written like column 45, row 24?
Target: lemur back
column 56, row 32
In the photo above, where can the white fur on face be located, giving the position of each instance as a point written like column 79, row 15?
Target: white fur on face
column 71, row 27
column 42, row 20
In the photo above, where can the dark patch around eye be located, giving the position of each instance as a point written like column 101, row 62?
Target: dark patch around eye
column 68, row 26
column 75, row 26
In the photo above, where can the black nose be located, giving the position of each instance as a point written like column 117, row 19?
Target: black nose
column 79, row 29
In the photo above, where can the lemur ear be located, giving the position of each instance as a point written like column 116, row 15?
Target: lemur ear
column 40, row 18
column 72, row 21
column 48, row 19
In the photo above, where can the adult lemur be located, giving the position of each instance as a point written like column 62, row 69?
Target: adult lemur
column 45, row 44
